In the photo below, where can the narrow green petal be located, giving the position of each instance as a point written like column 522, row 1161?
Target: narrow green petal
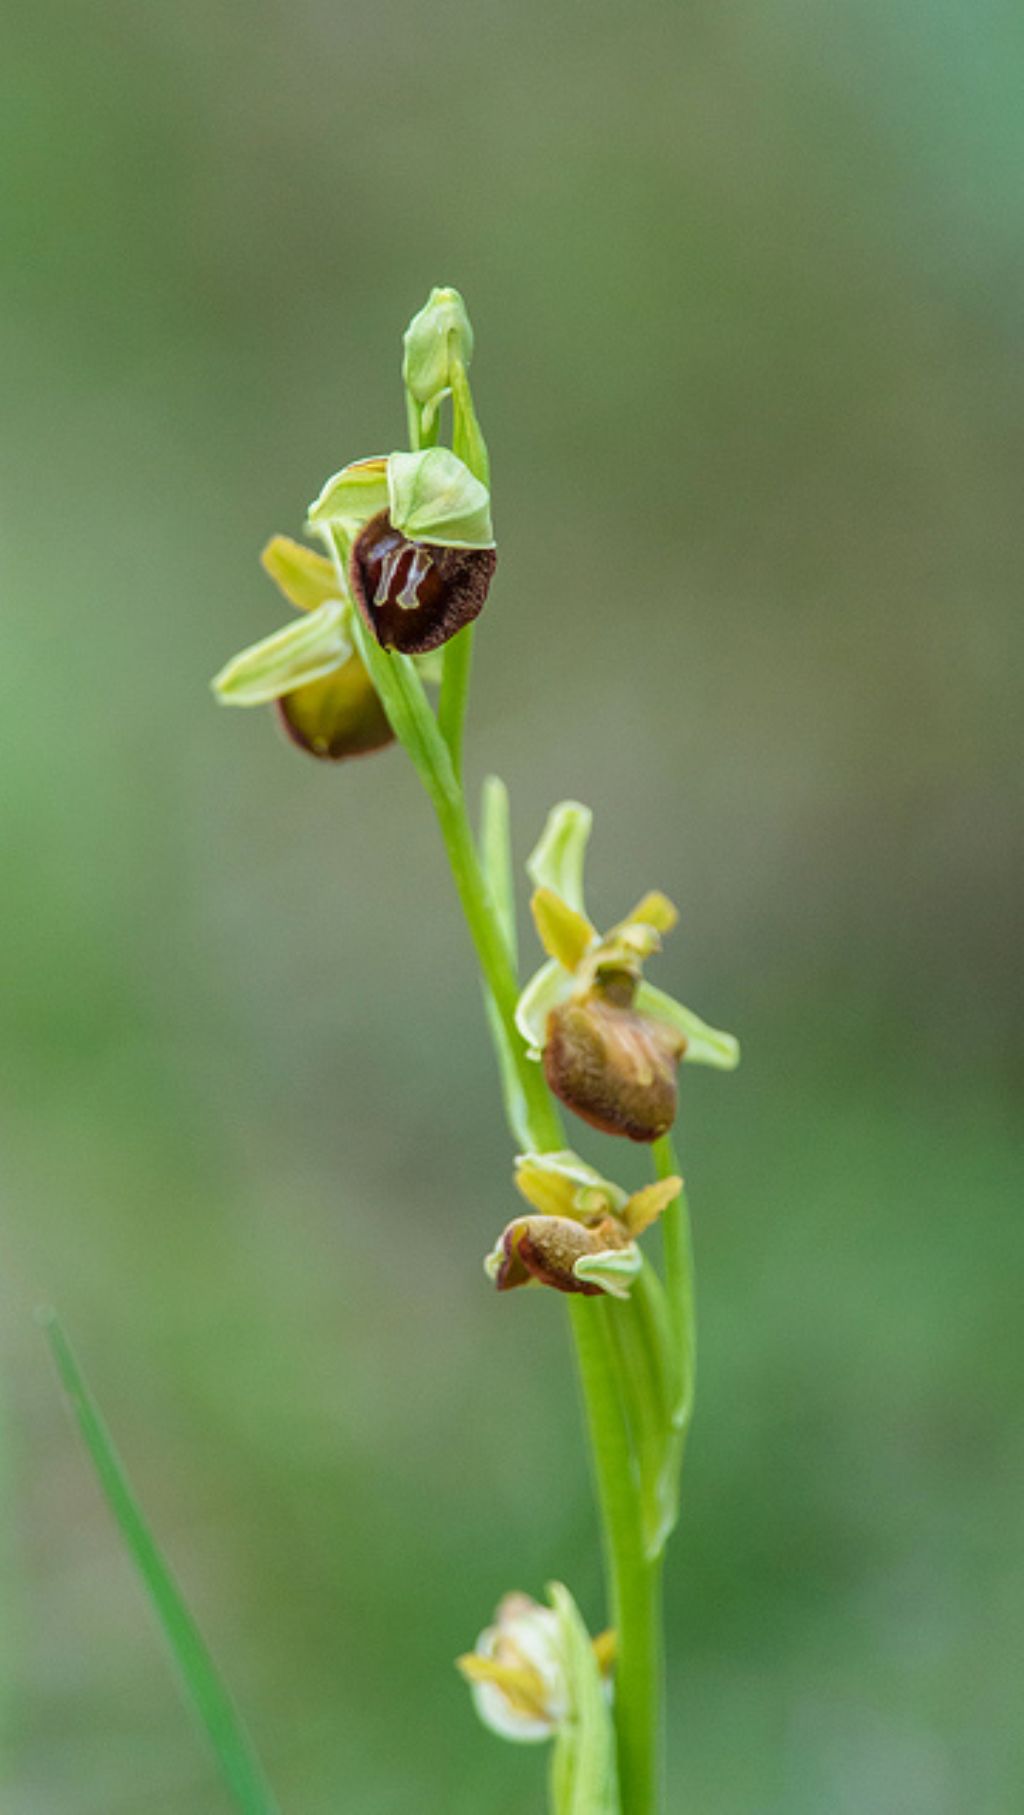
column 556, row 861
column 303, row 651
column 704, row 1045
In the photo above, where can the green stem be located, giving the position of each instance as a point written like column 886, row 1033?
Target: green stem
column 635, row 1582
column 451, row 705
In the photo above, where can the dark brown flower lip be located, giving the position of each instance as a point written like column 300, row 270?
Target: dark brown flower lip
column 415, row 596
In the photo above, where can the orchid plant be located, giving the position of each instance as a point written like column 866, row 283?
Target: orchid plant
column 387, row 611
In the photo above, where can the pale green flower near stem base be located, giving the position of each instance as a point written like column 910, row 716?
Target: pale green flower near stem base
column 536, row 1675
column 609, row 1041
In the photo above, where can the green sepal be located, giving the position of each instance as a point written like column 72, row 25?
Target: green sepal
column 312, row 646
column 547, row 989
column 557, row 859
column 350, row 498
column 433, row 497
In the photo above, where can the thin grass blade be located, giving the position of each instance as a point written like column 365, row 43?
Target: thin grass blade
column 231, row 1744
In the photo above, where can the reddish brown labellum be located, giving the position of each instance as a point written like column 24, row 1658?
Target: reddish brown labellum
column 414, row 596
column 546, row 1249
column 614, row 1068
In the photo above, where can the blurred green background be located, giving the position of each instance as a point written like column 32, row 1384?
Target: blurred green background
column 746, row 283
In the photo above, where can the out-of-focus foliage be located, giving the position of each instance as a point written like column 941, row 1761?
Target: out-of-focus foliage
column 745, row 282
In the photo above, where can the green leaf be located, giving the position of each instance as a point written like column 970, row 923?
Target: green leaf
column 232, row 1746
column 584, row 1780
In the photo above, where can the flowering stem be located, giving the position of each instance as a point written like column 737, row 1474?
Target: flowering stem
column 451, row 705
column 634, row 1580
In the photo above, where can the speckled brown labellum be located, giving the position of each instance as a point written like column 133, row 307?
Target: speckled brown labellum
column 337, row 716
column 614, row 1068
column 546, row 1249
column 414, row 596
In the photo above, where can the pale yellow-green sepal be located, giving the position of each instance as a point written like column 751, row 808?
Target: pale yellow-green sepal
column 547, row 989
column 556, row 861
column 305, row 650
column 561, row 1184
column 350, row 498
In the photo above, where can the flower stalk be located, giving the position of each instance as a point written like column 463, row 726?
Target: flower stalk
column 410, row 554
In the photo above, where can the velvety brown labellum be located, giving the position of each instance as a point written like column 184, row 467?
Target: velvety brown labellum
column 338, row 715
column 415, row 596
column 546, row 1248
column 613, row 1068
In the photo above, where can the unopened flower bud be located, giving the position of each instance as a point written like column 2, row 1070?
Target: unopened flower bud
column 436, row 338
column 614, row 1068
